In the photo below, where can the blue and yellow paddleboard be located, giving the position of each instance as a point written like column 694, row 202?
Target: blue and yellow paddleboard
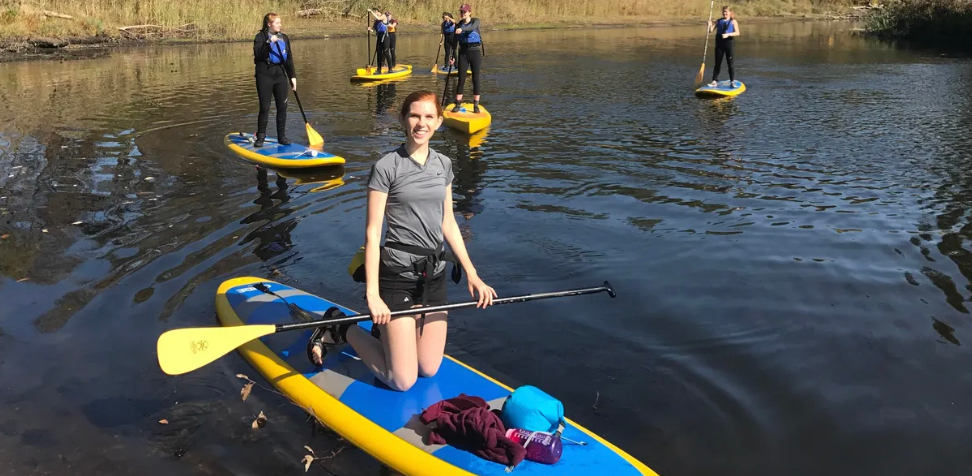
column 272, row 154
column 345, row 396
column 454, row 71
column 723, row 89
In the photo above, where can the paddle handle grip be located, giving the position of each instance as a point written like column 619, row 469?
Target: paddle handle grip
column 445, row 307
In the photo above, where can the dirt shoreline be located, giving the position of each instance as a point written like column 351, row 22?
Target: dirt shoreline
column 75, row 48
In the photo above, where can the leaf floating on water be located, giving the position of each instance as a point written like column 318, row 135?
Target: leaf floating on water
column 260, row 422
column 164, row 421
column 5, row 236
column 308, row 459
column 44, row 230
column 23, row 279
column 242, row 376
column 245, row 391
column 78, row 223
column 309, row 449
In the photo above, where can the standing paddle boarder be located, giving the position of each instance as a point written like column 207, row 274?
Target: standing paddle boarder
column 380, row 27
column 392, row 40
column 726, row 29
column 411, row 188
column 274, row 63
column 448, row 38
column 470, row 54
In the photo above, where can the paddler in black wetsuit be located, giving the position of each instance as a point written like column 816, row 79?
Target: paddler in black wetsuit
column 274, row 63
column 470, row 54
column 726, row 29
column 448, row 39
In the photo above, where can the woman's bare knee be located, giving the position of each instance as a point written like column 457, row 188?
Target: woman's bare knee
column 402, row 383
column 429, row 369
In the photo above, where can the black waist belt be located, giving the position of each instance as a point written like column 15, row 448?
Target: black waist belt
column 467, row 45
column 425, row 267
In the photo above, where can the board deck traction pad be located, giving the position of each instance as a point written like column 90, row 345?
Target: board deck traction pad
column 343, row 388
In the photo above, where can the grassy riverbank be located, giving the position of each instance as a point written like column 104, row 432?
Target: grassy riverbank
column 23, row 20
column 940, row 21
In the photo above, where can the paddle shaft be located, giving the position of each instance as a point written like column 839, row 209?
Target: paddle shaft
column 455, row 44
column 440, row 51
column 295, row 94
column 705, row 50
column 445, row 307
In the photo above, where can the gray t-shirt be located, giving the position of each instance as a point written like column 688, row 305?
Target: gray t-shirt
column 416, row 198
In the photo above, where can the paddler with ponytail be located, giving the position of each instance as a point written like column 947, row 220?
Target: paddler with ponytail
column 470, row 54
column 726, row 29
column 274, row 63
column 411, row 189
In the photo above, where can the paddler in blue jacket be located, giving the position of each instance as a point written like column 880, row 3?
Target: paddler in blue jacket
column 470, row 54
column 726, row 29
column 380, row 27
column 448, row 38
column 274, row 63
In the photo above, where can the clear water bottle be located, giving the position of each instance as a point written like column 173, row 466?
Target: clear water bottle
column 541, row 447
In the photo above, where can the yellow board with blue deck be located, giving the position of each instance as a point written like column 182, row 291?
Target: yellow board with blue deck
column 369, row 73
column 721, row 90
column 273, row 154
column 345, row 396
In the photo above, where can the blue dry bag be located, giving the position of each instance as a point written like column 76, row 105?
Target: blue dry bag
column 529, row 408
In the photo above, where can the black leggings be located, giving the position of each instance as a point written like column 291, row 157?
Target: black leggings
column 391, row 49
column 449, row 43
column 271, row 82
column 472, row 57
column 382, row 52
column 723, row 48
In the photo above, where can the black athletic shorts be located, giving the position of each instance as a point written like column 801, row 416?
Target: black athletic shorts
column 402, row 293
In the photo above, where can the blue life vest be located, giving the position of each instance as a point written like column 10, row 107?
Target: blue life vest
column 724, row 26
column 448, row 28
column 278, row 52
column 380, row 27
column 529, row 408
column 469, row 36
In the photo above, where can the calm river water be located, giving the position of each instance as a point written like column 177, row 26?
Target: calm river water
column 793, row 266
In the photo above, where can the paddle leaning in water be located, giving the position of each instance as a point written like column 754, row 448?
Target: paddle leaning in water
column 184, row 350
column 313, row 138
column 705, row 51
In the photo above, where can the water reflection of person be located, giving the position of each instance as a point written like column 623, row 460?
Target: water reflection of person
column 385, row 97
column 469, row 169
column 274, row 238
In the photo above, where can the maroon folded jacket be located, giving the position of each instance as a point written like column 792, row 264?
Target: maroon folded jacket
column 467, row 423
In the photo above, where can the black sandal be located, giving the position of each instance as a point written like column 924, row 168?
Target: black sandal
column 317, row 338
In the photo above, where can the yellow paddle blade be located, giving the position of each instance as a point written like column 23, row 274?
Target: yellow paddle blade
column 313, row 137
column 184, row 350
column 698, row 78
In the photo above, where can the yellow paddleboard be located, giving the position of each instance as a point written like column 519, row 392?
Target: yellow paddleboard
column 465, row 120
column 455, row 72
column 370, row 74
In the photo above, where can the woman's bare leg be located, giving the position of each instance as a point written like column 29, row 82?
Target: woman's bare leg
column 430, row 339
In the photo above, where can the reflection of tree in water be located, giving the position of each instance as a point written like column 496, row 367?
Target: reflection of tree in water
column 274, row 238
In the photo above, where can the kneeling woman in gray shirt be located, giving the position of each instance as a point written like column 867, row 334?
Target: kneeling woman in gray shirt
column 412, row 189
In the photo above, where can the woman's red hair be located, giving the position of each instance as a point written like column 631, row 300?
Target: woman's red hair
column 420, row 96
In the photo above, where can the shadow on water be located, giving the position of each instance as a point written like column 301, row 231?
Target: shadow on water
column 792, row 265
